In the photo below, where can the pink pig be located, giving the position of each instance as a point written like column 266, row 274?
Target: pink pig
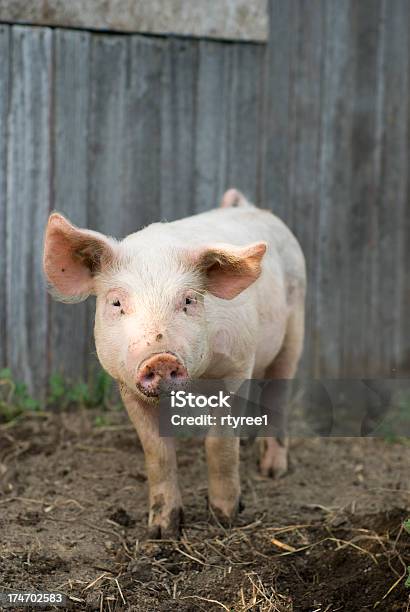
column 216, row 295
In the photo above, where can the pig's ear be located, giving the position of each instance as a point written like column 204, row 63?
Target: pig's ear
column 72, row 258
column 230, row 269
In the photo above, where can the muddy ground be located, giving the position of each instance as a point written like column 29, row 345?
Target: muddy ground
column 326, row 537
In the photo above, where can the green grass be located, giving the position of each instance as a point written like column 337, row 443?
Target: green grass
column 16, row 401
column 407, row 528
column 396, row 427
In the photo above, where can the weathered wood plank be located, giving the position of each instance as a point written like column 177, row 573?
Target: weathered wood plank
column 275, row 137
column 306, row 62
column 177, row 128
column 404, row 261
column 28, row 197
column 357, row 359
column 4, row 103
column 244, row 100
column 142, row 131
column 108, row 87
column 211, row 124
column 231, row 19
column 69, row 346
column 391, row 300
column 334, row 189
column 125, row 133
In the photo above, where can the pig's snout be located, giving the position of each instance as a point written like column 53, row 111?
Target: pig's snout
column 162, row 371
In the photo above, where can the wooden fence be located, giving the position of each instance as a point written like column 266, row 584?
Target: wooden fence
column 117, row 131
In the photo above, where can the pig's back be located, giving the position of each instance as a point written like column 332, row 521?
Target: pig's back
column 262, row 311
column 241, row 226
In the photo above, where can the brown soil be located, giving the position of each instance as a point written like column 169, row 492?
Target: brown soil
column 326, row 537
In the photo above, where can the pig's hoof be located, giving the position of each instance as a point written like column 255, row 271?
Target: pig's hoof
column 168, row 528
column 273, row 461
column 224, row 513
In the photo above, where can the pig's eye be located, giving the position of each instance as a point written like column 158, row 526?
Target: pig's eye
column 117, row 304
column 189, row 301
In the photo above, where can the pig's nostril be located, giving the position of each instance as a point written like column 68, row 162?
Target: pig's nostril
column 159, row 373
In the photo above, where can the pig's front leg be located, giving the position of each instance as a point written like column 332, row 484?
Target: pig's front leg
column 165, row 503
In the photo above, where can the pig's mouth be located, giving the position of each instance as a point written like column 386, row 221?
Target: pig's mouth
column 163, row 391
column 160, row 374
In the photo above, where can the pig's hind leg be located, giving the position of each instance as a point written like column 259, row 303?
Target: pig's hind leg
column 224, row 487
column 273, row 450
column 222, row 455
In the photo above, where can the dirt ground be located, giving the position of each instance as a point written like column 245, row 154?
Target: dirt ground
column 326, row 537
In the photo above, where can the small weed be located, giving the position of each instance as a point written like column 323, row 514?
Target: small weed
column 102, row 420
column 15, row 399
column 407, row 528
column 56, row 388
column 396, row 428
column 98, row 392
column 101, row 390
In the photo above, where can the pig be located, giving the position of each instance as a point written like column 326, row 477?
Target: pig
column 218, row 295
